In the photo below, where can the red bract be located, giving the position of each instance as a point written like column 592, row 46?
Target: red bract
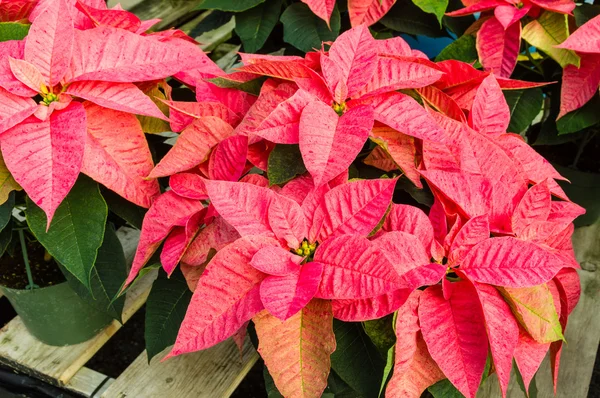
column 581, row 84
column 62, row 64
column 365, row 12
column 499, row 36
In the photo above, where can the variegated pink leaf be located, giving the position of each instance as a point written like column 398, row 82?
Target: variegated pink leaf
column 454, row 331
column 117, row 154
column 401, row 148
column 124, row 97
column 368, row 11
column 167, row 211
column 209, row 321
column 474, row 6
column 529, row 355
column 277, row 261
column 45, row 157
column 414, row 369
column 490, row 113
column 352, row 208
column 472, row 232
column 14, row 109
column 411, row 220
column 182, row 114
column 534, row 206
column 354, row 268
column 189, row 186
column 330, row 143
column 26, row 73
column 14, row 49
column 287, row 220
column 282, row 126
column 215, row 236
column 380, row 159
column 403, row 250
column 360, row 310
column 508, row 14
column 585, row 39
column 579, row 85
column 507, row 261
column 283, row 296
column 193, row 146
column 228, row 160
column 115, row 17
column 442, row 102
column 498, row 48
column 49, row 44
column 178, row 241
column 321, row 8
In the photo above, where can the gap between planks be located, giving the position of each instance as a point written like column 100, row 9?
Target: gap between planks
column 212, row 373
column 57, row 365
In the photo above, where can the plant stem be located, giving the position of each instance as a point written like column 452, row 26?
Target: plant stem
column 31, row 285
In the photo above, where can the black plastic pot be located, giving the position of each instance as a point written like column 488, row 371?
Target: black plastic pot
column 56, row 315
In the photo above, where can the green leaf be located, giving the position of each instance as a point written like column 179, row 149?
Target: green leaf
column 444, row 389
column 435, row 7
column 462, row 49
column 5, row 237
column 6, row 210
column 285, row 163
column 387, row 371
column 212, row 21
column 381, row 333
column 583, row 189
column 165, row 310
column 251, row 87
column 13, row 31
column 77, row 229
column 123, row 208
column 585, row 12
column 524, row 106
column 256, row 24
column 548, row 31
column 229, row 5
column 581, row 118
column 406, row 17
column 272, row 391
column 457, row 25
column 337, row 388
column 356, row 360
column 304, row 30
column 108, row 275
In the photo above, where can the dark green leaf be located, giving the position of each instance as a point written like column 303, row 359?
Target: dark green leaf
column 5, row 238
column 255, row 25
column 461, row 49
column 6, row 210
column 356, row 360
column 583, row 189
column 272, row 391
column 581, row 118
column 251, row 87
column 532, row 386
column 406, row 17
column 13, row 31
column 304, row 30
column 585, row 12
column 435, row 7
column 457, row 25
column 77, row 229
column 212, row 21
column 381, row 333
column 524, row 106
column 165, row 310
column 285, row 163
column 108, row 275
column 229, row 5
column 444, row 389
column 337, row 388
column 123, row 208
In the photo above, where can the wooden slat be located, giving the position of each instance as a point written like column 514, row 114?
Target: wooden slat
column 57, row 365
column 212, row 373
column 582, row 334
column 89, row 383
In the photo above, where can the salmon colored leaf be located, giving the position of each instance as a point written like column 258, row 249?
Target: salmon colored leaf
column 354, row 268
column 209, row 321
column 414, row 369
column 14, row 49
column 330, row 143
column 282, row 126
column 535, row 310
column 26, row 73
column 585, row 39
column 498, row 48
column 49, row 44
column 287, row 220
column 188, row 185
column 502, row 330
column 455, row 333
column 193, row 146
column 353, row 208
column 182, row 114
column 380, row 159
column 58, row 144
column 297, row 351
column 284, row 296
column 14, row 109
column 510, row 262
column 534, row 207
column 117, row 154
column 411, row 220
column 579, row 85
column 167, row 211
column 277, row 261
column 490, row 113
column 368, row 11
column 215, row 236
column 124, row 97
column 403, row 250
column 401, row 148
column 321, row 8
column 472, row 232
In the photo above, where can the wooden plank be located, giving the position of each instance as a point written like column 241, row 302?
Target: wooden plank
column 212, row 373
column 57, row 365
column 89, row 383
column 582, row 334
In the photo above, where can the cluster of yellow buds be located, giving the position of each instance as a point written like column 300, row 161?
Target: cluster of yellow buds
column 306, row 249
column 339, row 108
column 48, row 97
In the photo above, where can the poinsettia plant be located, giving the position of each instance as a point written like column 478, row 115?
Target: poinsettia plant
column 275, row 218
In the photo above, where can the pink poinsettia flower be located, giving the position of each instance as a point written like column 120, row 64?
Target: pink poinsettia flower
column 579, row 85
column 62, row 66
column 499, row 37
